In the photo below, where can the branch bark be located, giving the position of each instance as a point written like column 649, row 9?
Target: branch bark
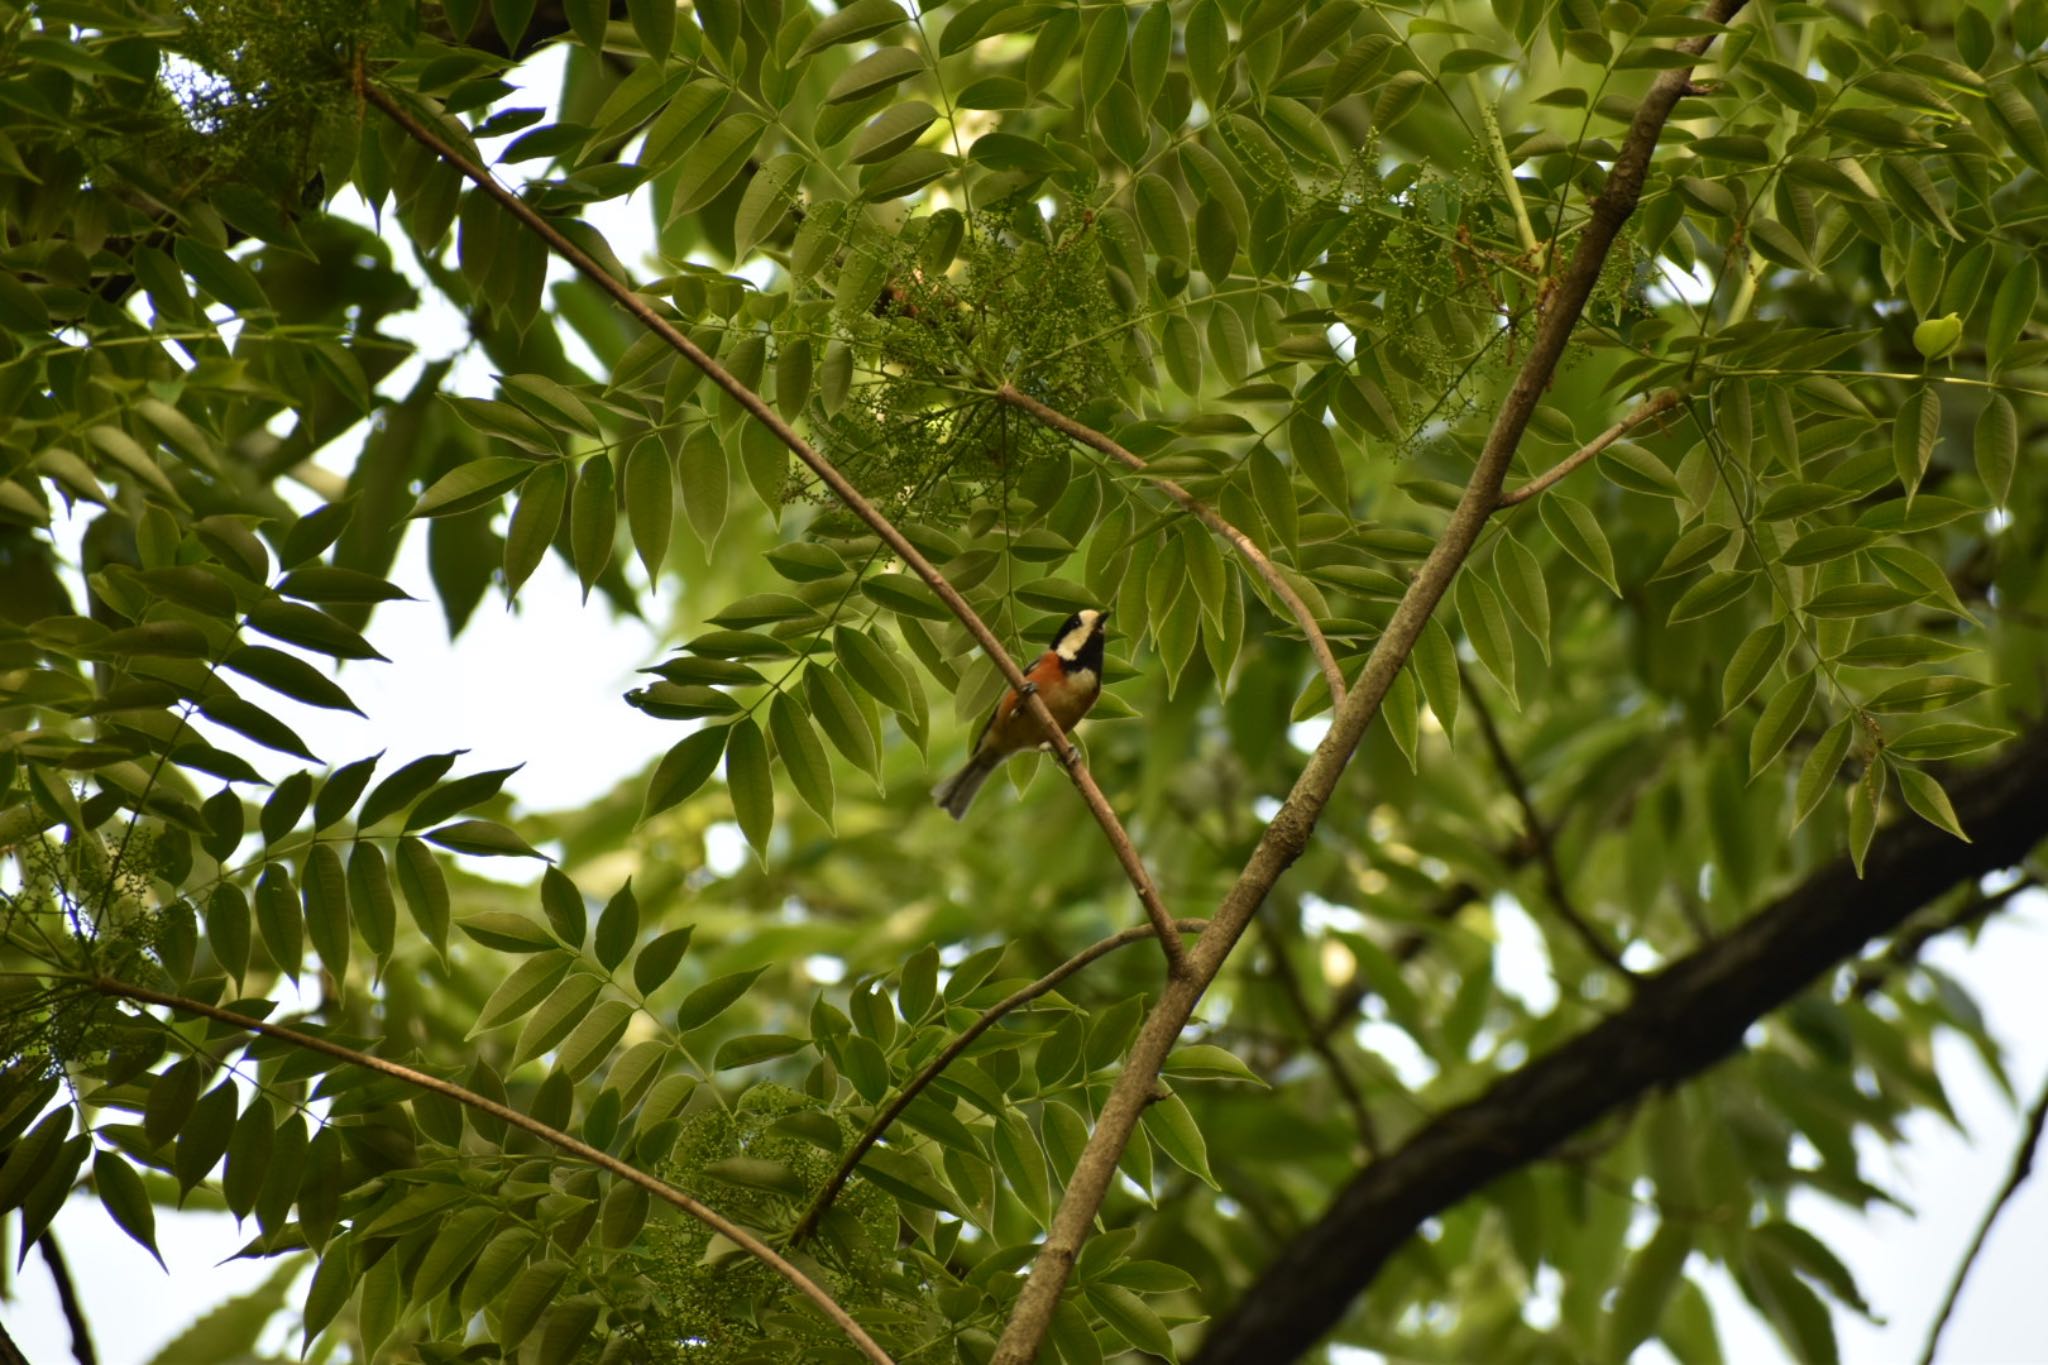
column 67, row 1298
column 1088, row 436
column 668, row 1194
column 915, row 1086
column 1289, row 830
column 842, row 488
column 1683, row 1020
column 1557, row 473
column 2022, row 1167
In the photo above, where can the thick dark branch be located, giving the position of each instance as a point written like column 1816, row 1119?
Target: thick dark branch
column 842, row 488
column 2022, row 1167
column 67, row 1297
column 915, row 1086
column 583, row 1151
column 1287, row 834
column 1682, row 1020
column 1333, row 676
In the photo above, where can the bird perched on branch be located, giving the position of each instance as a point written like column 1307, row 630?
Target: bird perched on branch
column 1067, row 678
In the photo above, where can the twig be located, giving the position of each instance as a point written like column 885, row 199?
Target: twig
column 2022, row 1167
column 915, row 1086
column 1319, row 1040
column 1905, row 949
column 1287, row 833
column 1510, row 187
column 828, row 473
column 1644, row 411
column 67, row 1297
column 10, row 1354
column 1265, row 568
column 1538, row 835
column 660, row 1189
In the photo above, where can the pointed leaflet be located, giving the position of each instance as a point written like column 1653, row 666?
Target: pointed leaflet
column 1436, row 668
column 2011, row 309
column 1521, row 582
column 1754, row 659
column 1578, row 531
column 426, row 891
column 369, row 893
column 684, row 768
column 1782, row 717
column 535, row 519
column 593, row 521
column 1924, row 794
column 122, row 1191
column 802, row 754
column 1486, row 626
column 1997, row 447
column 748, row 781
column 562, row 903
column 325, row 889
column 1914, row 431
column 617, row 927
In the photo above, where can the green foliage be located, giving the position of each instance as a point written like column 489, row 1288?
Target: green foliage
column 1290, row 254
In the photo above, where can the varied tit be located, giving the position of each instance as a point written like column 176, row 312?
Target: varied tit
column 1067, row 678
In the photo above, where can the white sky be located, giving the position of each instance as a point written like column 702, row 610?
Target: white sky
column 543, row 687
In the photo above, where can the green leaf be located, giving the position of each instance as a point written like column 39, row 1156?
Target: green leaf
column 1997, row 447
column 618, row 928
column 710, row 166
column 1948, row 739
column 426, row 891
column 1783, row 715
column 469, row 486
column 684, row 769
column 754, row 1048
column 1578, row 531
column 561, row 1011
column 278, row 919
column 122, row 1192
column 1169, row 1124
column 1753, row 661
column 713, row 998
column 325, row 889
column 859, row 20
column 1718, row 591
column 650, row 504
column 1914, row 432
column 562, row 903
column 1486, row 626
column 802, row 754
column 1131, row 1317
column 528, row 984
column 1924, row 794
column 2012, row 306
column 1436, row 668
column 748, row 782
column 658, row 960
column 1817, row 774
column 482, row 839
column 505, row 932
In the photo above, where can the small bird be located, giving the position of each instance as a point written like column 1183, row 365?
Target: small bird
column 1067, row 678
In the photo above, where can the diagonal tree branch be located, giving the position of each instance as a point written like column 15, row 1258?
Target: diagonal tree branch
column 67, row 1297
column 829, row 474
column 669, row 1194
column 1207, row 515
column 1539, row 837
column 2022, row 1167
column 1683, row 1020
column 1557, row 473
column 1288, row 832
column 915, row 1086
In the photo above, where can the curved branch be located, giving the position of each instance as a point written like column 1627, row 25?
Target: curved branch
column 667, row 1193
column 67, row 1297
column 2022, row 1167
column 1207, row 515
column 915, row 1086
column 1557, row 473
column 1288, row 832
column 829, row 474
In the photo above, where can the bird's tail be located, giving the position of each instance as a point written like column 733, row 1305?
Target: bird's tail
column 956, row 793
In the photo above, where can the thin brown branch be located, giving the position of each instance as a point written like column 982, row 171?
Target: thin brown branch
column 1288, row 832
column 1648, row 408
column 915, row 1086
column 2022, row 1167
column 1207, row 515
column 1318, row 1040
column 1539, row 838
column 828, row 474
column 10, row 1354
column 67, row 1298
column 583, row 1151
